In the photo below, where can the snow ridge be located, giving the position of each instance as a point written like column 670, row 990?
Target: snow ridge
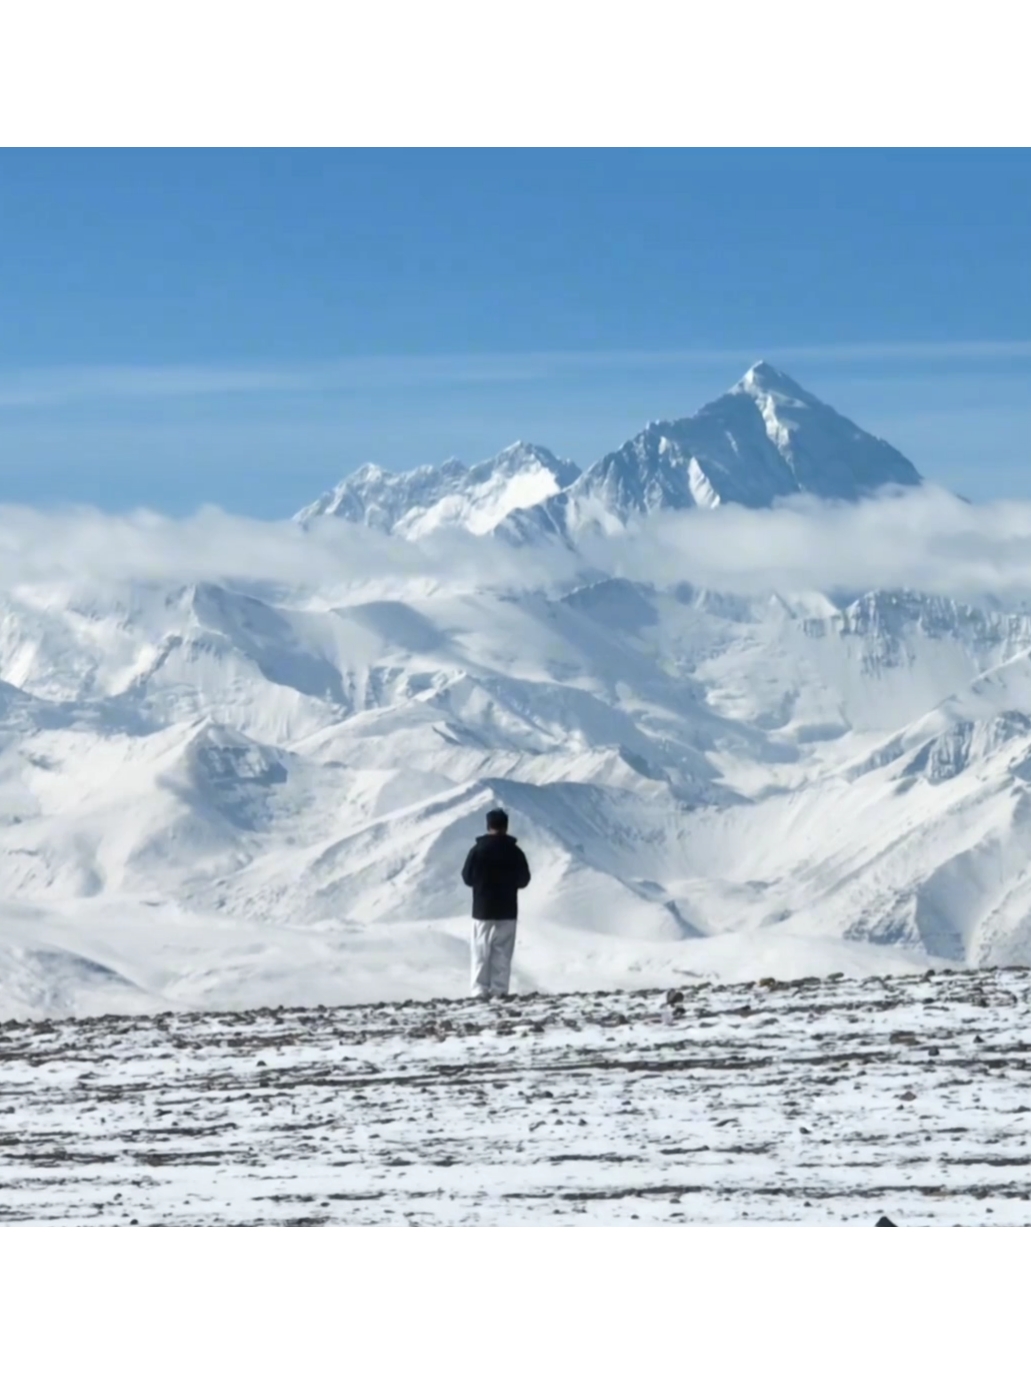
column 428, row 498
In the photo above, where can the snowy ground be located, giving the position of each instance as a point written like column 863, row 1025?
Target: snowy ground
column 817, row 1102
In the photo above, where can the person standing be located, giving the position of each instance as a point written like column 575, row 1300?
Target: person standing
column 496, row 870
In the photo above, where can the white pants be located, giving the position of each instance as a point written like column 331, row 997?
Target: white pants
column 492, row 946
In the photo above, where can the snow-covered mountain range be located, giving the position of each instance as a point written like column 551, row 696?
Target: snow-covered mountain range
column 764, row 440
column 223, row 792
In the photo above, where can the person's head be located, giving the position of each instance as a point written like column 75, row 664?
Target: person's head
column 497, row 822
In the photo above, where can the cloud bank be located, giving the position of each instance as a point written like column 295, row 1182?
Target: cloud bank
column 925, row 540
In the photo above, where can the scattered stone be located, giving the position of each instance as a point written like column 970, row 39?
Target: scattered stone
column 674, row 997
column 884, row 1222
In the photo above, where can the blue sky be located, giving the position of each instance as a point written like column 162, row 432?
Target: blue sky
column 246, row 327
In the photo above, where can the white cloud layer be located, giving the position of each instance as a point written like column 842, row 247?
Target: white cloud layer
column 925, row 540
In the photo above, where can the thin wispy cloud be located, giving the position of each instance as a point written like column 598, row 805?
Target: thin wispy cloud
column 57, row 386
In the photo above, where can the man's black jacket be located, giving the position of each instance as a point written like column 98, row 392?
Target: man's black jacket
column 495, row 870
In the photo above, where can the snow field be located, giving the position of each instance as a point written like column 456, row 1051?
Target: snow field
column 818, row 1102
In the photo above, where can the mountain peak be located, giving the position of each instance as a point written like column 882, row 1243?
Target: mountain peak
column 429, row 498
column 522, row 451
column 764, row 440
column 765, row 379
column 529, row 459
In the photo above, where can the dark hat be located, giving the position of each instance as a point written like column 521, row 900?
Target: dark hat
column 497, row 820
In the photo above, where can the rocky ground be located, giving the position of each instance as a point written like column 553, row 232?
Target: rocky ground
column 816, row 1102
